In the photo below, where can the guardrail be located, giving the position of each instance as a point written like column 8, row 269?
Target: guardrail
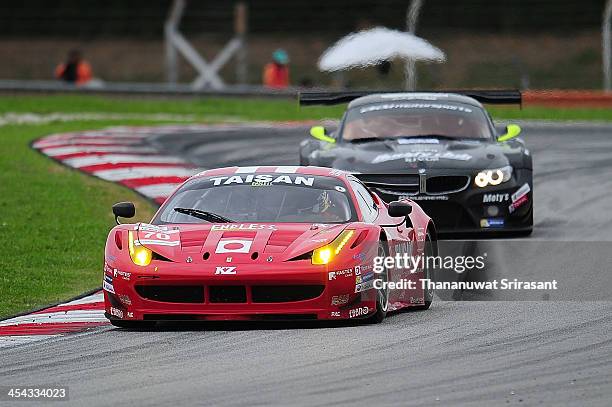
column 552, row 98
column 144, row 89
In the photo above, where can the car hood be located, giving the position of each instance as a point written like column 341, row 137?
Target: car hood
column 215, row 243
column 412, row 154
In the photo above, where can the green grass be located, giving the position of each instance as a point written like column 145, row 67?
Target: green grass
column 200, row 109
column 54, row 221
column 216, row 109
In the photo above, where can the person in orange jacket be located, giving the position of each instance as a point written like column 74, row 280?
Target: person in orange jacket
column 75, row 70
column 276, row 73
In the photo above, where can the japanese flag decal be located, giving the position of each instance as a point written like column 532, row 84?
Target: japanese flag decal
column 233, row 246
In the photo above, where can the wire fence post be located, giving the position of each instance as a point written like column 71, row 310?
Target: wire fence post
column 606, row 40
column 170, row 29
column 240, row 29
column 412, row 17
column 208, row 72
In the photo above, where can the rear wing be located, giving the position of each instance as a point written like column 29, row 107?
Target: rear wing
column 492, row 97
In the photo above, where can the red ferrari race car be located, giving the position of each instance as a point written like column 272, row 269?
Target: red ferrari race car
column 266, row 243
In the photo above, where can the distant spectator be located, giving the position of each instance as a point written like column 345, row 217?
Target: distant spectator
column 75, row 70
column 276, row 73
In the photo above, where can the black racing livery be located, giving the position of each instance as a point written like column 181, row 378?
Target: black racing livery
column 440, row 149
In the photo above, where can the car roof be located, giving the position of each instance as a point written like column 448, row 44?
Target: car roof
column 274, row 169
column 414, row 96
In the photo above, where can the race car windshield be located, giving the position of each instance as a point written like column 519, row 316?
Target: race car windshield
column 415, row 119
column 290, row 198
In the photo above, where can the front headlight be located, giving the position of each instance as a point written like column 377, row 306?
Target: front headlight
column 141, row 256
column 494, row 176
column 325, row 254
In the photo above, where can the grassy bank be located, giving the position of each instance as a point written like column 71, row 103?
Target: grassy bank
column 53, row 221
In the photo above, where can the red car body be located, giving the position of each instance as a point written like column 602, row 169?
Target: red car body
column 205, row 271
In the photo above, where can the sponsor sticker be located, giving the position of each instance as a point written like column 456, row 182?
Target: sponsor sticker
column 123, row 274
column 225, row 270
column 107, row 268
column 518, row 203
column 363, row 267
column 359, row 279
column 263, row 180
column 418, row 141
column 358, row 312
column 426, row 197
column 492, row 223
column 153, row 228
column 422, row 156
column 116, row 312
column 495, row 198
column 107, row 284
column 125, row 299
column 242, row 226
column 360, row 257
column 367, row 276
column 343, row 273
column 524, row 190
column 340, row 299
column 414, row 105
column 157, row 235
column 322, row 240
column 364, row 286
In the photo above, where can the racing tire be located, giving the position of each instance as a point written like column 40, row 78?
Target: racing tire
column 119, row 323
column 382, row 295
column 428, row 294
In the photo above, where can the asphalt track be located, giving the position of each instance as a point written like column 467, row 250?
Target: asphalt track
column 506, row 351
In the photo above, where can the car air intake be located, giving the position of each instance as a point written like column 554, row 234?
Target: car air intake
column 227, row 294
column 172, row 293
column 285, row 293
column 447, row 184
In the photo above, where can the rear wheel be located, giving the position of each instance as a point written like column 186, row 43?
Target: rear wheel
column 382, row 294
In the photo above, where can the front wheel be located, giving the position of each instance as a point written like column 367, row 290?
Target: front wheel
column 382, row 294
column 428, row 293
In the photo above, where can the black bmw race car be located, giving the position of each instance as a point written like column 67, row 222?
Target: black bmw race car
column 440, row 149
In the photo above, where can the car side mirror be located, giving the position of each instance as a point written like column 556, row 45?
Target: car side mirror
column 123, row 210
column 512, row 130
column 320, row 133
column 399, row 209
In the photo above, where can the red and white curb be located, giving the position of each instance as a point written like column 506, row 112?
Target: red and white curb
column 55, row 321
column 121, row 155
